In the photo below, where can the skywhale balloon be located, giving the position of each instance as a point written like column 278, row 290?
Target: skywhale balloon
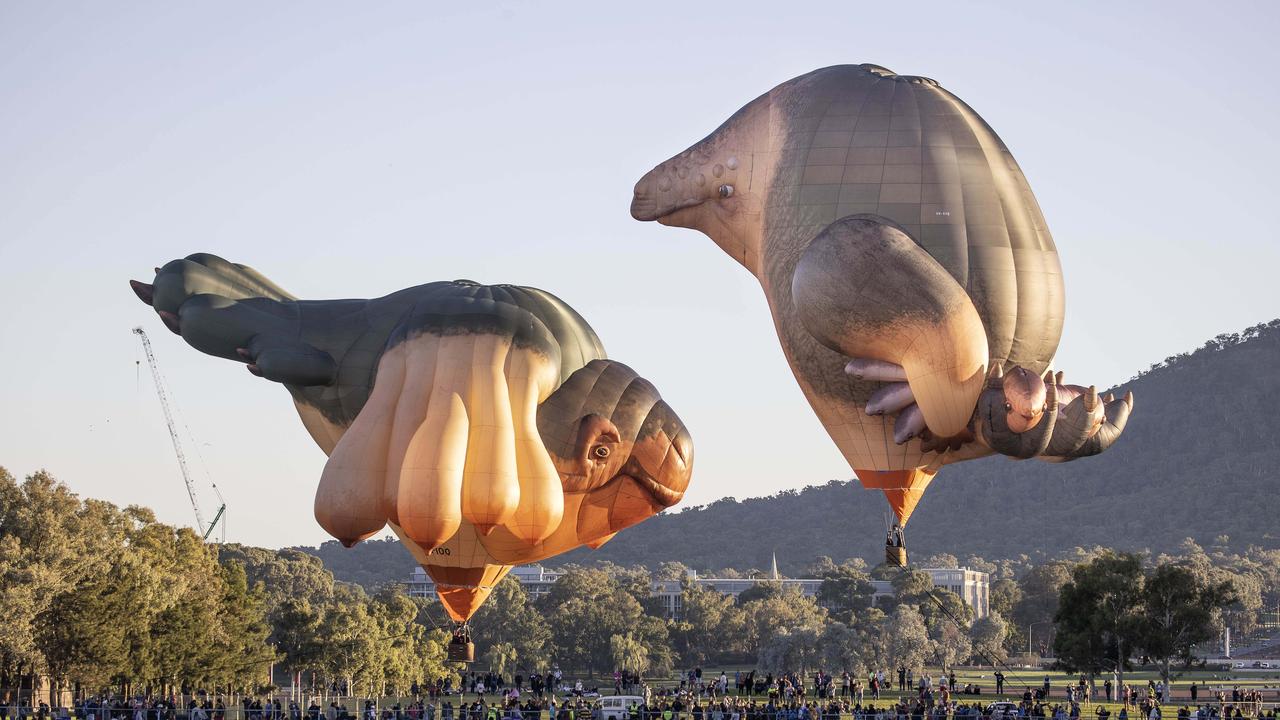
column 912, row 279
column 483, row 423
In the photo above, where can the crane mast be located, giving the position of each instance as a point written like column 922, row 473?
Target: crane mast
column 173, row 436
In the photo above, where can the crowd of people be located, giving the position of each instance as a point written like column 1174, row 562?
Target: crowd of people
column 896, row 694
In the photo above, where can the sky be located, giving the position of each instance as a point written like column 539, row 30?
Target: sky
column 352, row 149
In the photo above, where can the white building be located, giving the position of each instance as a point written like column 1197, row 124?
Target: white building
column 972, row 586
column 537, row 581
column 672, row 594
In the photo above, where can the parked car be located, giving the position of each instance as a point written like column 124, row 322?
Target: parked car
column 1002, row 709
column 615, row 707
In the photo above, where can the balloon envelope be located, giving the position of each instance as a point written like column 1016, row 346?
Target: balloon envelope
column 482, row 422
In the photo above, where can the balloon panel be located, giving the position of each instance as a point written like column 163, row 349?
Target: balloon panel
column 464, row 590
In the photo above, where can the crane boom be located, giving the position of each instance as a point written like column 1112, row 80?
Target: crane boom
column 173, row 433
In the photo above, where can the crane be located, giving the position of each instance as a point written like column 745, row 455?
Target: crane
column 205, row 531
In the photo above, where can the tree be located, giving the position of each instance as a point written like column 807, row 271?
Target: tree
column 628, row 653
column 761, row 619
column 508, row 616
column 844, row 648
column 976, row 563
column 1005, row 594
column 845, row 591
column 875, row 633
column 988, row 636
column 46, row 549
column 400, row 638
column 1179, row 611
column 1041, row 588
column 700, row 635
column 295, row 631
column 241, row 637
column 884, row 571
column 1099, row 620
column 671, row 570
column 796, row 649
column 940, row 560
column 942, row 605
column 501, row 657
column 912, row 586
column 950, row 641
column 281, row 575
column 821, row 567
column 652, row 633
column 909, row 642
column 585, row 608
column 762, row 590
column 353, row 651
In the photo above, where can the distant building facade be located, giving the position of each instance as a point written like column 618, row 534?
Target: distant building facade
column 535, row 579
column 672, row 594
column 973, row 586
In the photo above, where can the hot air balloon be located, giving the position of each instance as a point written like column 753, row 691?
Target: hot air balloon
column 483, row 423
column 912, row 279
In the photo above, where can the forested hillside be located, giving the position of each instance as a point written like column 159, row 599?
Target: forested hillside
column 1198, row 460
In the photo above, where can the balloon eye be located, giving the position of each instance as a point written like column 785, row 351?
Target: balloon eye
column 601, row 452
column 1008, row 407
column 726, row 190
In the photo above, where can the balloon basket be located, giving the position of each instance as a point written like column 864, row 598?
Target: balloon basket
column 895, row 555
column 462, row 651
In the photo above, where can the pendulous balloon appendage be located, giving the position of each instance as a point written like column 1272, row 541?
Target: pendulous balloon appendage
column 457, row 446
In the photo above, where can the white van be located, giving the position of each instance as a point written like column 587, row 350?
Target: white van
column 618, row 707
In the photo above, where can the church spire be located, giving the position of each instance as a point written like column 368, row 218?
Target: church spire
column 773, row 570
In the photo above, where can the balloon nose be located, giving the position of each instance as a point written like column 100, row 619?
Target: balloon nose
column 643, row 207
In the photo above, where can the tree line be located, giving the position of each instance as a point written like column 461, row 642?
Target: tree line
column 100, row 597
column 1160, row 610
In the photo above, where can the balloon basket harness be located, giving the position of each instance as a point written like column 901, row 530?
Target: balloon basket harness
column 461, row 649
column 895, row 546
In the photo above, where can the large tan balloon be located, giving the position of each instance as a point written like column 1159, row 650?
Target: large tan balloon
column 907, row 266
column 483, row 423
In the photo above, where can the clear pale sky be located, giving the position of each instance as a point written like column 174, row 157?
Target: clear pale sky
column 351, row 149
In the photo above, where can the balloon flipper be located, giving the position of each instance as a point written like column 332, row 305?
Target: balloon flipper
column 144, row 291
column 171, row 321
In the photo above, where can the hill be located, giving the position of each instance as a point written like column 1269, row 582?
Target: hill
column 1197, row 460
